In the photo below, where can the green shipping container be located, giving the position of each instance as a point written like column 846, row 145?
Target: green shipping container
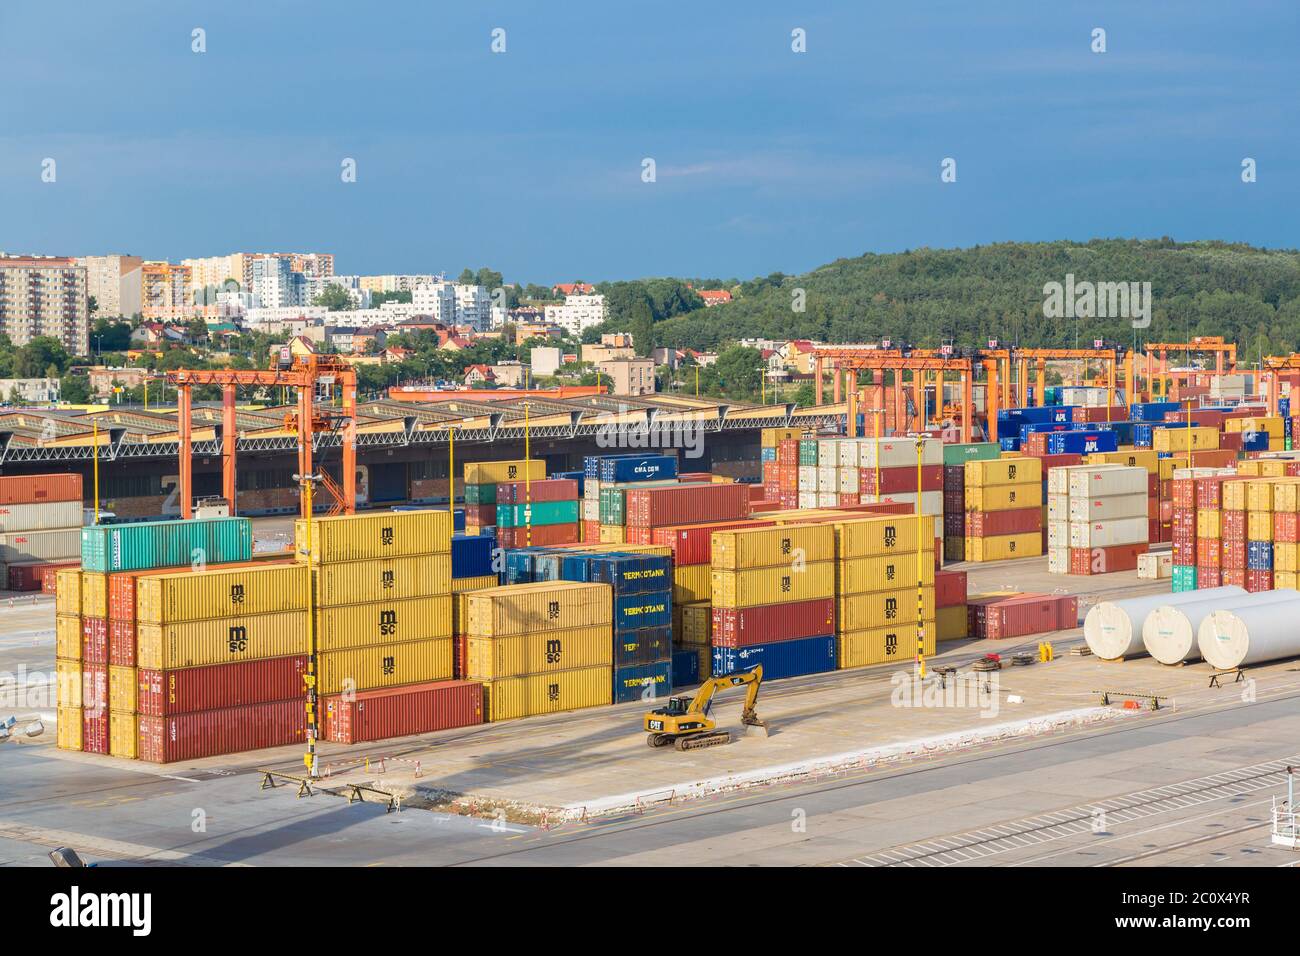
column 1184, row 578
column 161, row 544
column 973, row 451
column 808, row 451
column 544, row 512
column 480, row 494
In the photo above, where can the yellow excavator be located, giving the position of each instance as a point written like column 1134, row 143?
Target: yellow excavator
column 685, row 722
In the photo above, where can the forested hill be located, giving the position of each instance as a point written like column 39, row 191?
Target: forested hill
column 926, row 297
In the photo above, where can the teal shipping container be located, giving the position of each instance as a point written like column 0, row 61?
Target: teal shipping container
column 972, row 451
column 162, row 544
column 544, row 512
column 1184, row 578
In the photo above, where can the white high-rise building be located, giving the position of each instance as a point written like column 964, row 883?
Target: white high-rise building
column 437, row 298
column 474, row 307
column 578, row 312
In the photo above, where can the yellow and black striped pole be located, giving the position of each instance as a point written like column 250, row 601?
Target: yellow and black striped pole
column 920, row 565
column 309, row 678
column 528, row 480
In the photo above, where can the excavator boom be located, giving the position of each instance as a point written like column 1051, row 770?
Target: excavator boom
column 686, row 723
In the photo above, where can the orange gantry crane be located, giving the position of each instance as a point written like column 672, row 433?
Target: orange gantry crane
column 1157, row 354
column 927, row 367
column 1039, row 358
column 307, row 374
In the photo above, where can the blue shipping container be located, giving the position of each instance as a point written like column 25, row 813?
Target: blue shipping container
column 591, row 464
column 1259, row 555
column 631, row 573
column 686, row 668
column 644, row 682
column 1081, row 443
column 1254, row 441
column 1009, row 444
column 471, row 555
column 635, row 611
column 643, row 646
column 809, row 655
column 640, row 468
column 1151, row 411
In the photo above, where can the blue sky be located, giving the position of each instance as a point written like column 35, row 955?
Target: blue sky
column 530, row 161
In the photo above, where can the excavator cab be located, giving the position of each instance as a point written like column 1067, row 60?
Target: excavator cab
column 685, row 721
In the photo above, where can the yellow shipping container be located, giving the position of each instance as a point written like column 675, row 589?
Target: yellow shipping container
column 122, row 736
column 1003, row 471
column 1262, row 468
column 886, row 573
column 384, row 665
column 1259, row 494
column 1133, row 458
column 383, row 622
column 67, row 591
column 773, row 585
column 1286, row 495
column 697, row 623
column 612, row 533
column 216, row 592
column 67, row 637
column 772, row 437
column 1286, row 556
column 1004, row 497
column 68, row 721
column 692, row 583
column 94, row 594
column 1169, row 465
column 1272, row 424
column 122, row 688
column 221, row 640
column 364, row 537
column 546, row 605
column 547, row 693
column 1234, row 495
column 883, row 645
column 1259, row 526
column 1286, row 579
column 741, row 549
column 1002, row 547
column 460, row 585
column 951, row 623
column 1209, row 523
column 68, row 684
column 861, row 612
column 495, row 472
column 356, row 582
column 1177, row 439
column 492, row 658
column 882, row 535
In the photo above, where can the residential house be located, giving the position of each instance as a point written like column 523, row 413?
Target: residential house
column 480, row 375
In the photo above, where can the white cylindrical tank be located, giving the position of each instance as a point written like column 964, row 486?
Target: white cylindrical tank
column 1113, row 629
column 1251, row 633
column 1171, row 632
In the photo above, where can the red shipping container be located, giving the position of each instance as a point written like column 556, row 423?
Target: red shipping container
column 50, row 578
column 1258, row 580
column 694, row 476
column 545, row 489
column 543, row 535
column 848, row 500
column 402, row 711
column 1122, row 557
column 36, row 489
column 121, row 643
column 94, row 686
column 1209, row 552
column 1100, row 413
column 1209, row 490
column 1153, row 485
column 1209, row 577
column 459, row 656
column 481, row 516
column 1020, row 615
column 1153, row 529
column 1165, row 510
column 1206, row 417
column 896, row 481
column 219, row 686
column 949, row 588
column 94, row 640
column 94, row 730
column 787, row 449
column 1230, row 441
column 1234, row 525
column 1231, row 576
column 591, row 531
column 30, row 575
column 954, row 501
column 692, row 504
column 984, row 524
column 1059, row 461
column 1286, row 527
column 1184, row 552
column 1234, row 555
column 208, row 733
column 1214, row 458
column 742, row 627
column 764, row 505
column 692, row 543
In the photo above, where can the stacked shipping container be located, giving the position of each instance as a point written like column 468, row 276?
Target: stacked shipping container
column 40, row 527
column 1004, row 508
column 1097, row 518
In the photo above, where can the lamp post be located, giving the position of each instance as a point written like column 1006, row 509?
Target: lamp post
column 307, row 485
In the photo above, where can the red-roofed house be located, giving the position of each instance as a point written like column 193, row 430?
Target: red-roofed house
column 573, row 288
column 798, row 356
column 479, row 375
column 713, row 297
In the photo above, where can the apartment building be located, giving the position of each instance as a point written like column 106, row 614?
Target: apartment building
column 578, row 312
column 165, row 293
column 474, row 307
column 275, row 284
column 396, row 283
column 44, row 295
column 315, row 285
column 114, row 282
column 634, row 376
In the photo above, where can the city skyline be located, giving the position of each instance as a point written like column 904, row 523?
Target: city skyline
column 530, row 161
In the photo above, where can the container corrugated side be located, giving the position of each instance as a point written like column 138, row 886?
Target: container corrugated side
column 861, row 612
column 646, row 682
column 526, row 608
column 692, row 583
column 810, row 655
column 67, row 593
column 355, row 582
column 69, row 683
column 221, row 640
column 887, row 534
column 67, row 637
column 1003, row 547
column 884, row 645
column 1004, row 497
column 739, row 627
column 190, row 689
column 547, row 693
column 68, row 724
column 495, row 658
column 40, row 517
column 773, row 585
column 121, row 688
column 23, row 546
column 495, row 472
column 231, row 730
column 401, row 711
column 94, row 594
column 160, row 544
column 384, row 665
column 30, row 489
column 123, row 734
column 863, row 575
column 769, row 547
column 395, row 622
column 390, row 534
column 1003, row 471
column 174, row 598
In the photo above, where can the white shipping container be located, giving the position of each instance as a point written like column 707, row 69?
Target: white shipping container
column 1106, row 534
column 1058, row 534
column 931, row 501
column 1108, row 508
column 828, row 452
column 40, row 545
column 828, row 479
column 1058, row 508
column 1058, row 479
column 590, row 510
column 1084, row 395
column 848, row 481
column 807, row 499
column 1100, row 482
column 807, row 477
column 827, row 499
column 1155, row 565
column 897, row 452
column 591, row 490
column 1058, row 560
column 41, row 516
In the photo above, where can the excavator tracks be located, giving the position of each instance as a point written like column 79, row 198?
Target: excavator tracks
column 700, row 741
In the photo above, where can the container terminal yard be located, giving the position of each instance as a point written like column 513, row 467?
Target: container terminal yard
column 952, row 617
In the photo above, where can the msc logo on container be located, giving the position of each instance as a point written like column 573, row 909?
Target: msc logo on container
column 237, row 639
column 891, row 644
column 236, row 594
column 389, row 666
column 552, row 692
column 891, row 607
column 386, row 580
column 785, row 545
column 388, row 623
column 889, row 572
column 386, row 536
column 891, row 536
column 553, row 610
column 1011, row 472
column 512, row 472
column 554, row 649
column 785, row 584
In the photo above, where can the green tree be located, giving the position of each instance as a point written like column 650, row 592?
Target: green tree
column 36, row 358
column 74, row 390
column 333, row 297
column 108, row 336
column 739, row 371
